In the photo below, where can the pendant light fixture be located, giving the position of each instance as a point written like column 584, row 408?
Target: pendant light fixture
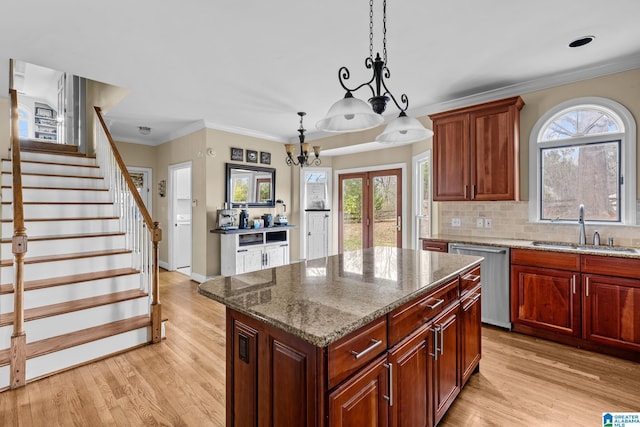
column 303, row 159
column 352, row 114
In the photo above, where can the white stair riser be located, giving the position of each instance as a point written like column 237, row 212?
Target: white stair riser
column 40, row 329
column 56, row 158
column 62, row 228
column 29, row 167
column 47, row 195
column 54, row 362
column 55, row 181
column 38, row 248
column 61, row 211
column 73, row 291
column 4, row 376
column 42, row 270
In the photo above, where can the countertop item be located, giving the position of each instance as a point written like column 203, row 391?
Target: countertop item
column 324, row 299
column 252, row 230
column 616, row 251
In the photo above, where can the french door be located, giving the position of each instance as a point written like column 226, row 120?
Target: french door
column 370, row 209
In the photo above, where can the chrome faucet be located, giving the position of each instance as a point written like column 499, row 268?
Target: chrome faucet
column 583, row 235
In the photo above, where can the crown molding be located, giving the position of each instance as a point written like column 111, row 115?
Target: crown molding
column 238, row 130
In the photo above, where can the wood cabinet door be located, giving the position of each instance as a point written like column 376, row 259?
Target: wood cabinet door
column 451, row 158
column 546, row 298
column 611, row 308
column 492, row 147
column 470, row 332
column 248, row 260
column 363, row 399
column 446, row 377
column 410, row 377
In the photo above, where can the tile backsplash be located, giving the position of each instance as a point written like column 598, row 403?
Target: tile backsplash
column 510, row 220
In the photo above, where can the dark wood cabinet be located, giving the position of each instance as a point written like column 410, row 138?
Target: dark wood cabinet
column 446, row 368
column 411, row 369
column 475, row 152
column 434, row 245
column 470, row 332
column 363, row 399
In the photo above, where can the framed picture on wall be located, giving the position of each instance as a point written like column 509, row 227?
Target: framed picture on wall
column 252, row 156
column 237, row 154
column 265, row 157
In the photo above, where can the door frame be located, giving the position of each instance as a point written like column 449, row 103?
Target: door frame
column 172, row 193
column 303, row 212
column 335, row 213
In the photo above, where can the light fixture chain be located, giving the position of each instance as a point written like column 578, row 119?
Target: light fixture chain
column 371, row 29
column 384, row 31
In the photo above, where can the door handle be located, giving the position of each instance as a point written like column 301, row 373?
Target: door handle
column 399, row 224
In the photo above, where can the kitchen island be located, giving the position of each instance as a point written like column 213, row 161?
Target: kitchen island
column 386, row 335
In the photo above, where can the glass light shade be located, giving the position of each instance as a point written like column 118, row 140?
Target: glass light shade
column 288, row 148
column 305, row 147
column 404, row 129
column 316, row 150
column 349, row 114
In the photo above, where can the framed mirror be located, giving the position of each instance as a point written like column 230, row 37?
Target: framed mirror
column 252, row 186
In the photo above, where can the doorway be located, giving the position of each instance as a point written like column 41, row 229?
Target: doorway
column 180, row 218
column 315, row 194
column 142, row 178
column 370, row 209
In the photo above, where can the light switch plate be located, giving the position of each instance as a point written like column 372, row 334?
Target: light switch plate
column 480, row 223
column 488, row 223
column 455, row 222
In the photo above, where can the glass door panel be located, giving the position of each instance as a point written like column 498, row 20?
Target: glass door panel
column 386, row 212
column 352, row 214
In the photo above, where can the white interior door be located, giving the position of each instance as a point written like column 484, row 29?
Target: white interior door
column 317, row 234
column 180, row 238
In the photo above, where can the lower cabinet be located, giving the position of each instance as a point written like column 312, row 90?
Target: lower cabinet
column 363, row 379
column 263, row 257
column 446, row 378
column 363, row 400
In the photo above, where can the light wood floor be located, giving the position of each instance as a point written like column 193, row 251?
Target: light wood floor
column 523, row 381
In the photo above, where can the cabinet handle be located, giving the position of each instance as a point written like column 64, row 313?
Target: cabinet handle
column 432, row 248
column 435, row 344
column 477, row 297
column 243, row 250
column 573, row 283
column 465, row 191
column 586, row 282
column 441, row 340
column 389, row 366
column 439, row 303
column 473, row 192
column 374, row 344
column 472, row 277
column 399, row 224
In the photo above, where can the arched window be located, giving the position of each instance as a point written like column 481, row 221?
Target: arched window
column 583, row 152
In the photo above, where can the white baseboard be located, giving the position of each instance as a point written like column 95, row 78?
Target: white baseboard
column 163, row 264
column 198, row 277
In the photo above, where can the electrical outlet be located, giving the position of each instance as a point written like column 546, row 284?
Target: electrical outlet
column 455, row 222
column 487, row 223
column 479, row 223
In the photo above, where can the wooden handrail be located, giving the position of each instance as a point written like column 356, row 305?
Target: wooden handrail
column 19, row 248
column 154, row 230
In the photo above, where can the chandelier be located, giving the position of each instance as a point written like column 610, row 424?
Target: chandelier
column 352, row 114
column 303, row 158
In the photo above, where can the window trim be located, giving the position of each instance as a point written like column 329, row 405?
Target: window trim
column 627, row 154
column 418, row 159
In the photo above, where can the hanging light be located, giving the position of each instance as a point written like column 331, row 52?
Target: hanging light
column 303, row 159
column 351, row 114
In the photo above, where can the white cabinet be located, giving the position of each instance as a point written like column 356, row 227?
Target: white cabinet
column 242, row 251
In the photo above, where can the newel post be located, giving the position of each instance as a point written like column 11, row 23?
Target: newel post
column 156, row 307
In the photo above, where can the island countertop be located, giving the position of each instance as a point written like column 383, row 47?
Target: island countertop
column 324, row 299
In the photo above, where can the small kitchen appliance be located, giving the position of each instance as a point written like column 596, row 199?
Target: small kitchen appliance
column 227, row 219
column 281, row 218
column 268, row 220
column 244, row 219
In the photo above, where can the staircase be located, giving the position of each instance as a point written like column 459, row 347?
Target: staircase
column 84, row 294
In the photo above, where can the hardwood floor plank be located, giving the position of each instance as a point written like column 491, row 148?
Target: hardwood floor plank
column 523, row 381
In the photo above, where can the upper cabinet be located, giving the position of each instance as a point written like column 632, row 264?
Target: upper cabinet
column 475, row 152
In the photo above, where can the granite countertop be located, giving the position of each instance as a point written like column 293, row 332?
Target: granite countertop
column 602, row 250
column 324, row 299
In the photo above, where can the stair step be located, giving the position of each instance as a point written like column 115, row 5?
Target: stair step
column 48, row 147
column 71, row 306
column 78, row 255
column 58, row 194
column 67, row 280
column 43, row 180
column 60, row 210
column 64, row 243
column 58, row 168
column 63, row 226
column 69, row 236
column 72, row 339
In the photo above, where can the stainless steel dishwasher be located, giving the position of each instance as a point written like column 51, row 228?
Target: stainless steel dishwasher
column 494, row 276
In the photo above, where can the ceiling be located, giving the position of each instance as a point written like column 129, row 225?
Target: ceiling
column 249, row 66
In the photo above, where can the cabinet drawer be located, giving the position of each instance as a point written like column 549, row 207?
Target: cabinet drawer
column 409, row 317
column 546, row 259
column 469, row 280
column 431, row 245
column 611, row 266
column 350, row 353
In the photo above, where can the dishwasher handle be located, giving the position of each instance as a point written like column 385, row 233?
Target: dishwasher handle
column 476, row 249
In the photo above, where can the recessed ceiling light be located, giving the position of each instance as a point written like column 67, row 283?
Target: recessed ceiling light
column 144, row 130
column 582, row 41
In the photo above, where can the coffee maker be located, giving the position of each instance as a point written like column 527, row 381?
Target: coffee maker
column 281, row 218
column 226, row 219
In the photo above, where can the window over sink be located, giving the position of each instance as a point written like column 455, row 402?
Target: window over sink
column 583, row 151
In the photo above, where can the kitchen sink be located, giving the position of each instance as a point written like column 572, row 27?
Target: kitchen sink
column 576, row 247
